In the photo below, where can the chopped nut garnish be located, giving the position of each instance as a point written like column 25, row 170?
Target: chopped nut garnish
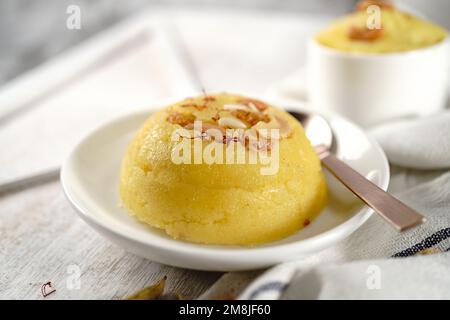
column 364, row 4
column 275, row 123
column 231, row 122
column 261, row 106
column 364, row 33
column 216, row 117
column 181, row 119
column 250, row 117
column 208, row 98
column 236, row 106
column 196, row 106
column 228, row 139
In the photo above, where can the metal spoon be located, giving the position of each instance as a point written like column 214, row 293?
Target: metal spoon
column 391, row 209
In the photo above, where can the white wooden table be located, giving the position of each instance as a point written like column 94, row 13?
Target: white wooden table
column 45, row 112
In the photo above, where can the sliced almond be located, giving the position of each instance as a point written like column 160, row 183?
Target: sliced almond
column 261, row 106
column 252, row 106
column 236, row 106
column 231, row 122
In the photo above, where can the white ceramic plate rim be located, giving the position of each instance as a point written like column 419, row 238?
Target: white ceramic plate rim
column 222, row 253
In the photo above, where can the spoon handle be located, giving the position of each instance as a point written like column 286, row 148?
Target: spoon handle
column 391, row 209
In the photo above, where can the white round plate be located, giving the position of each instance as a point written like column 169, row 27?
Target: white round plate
column 90, row 180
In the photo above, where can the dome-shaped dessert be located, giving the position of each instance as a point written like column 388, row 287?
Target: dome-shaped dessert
column 223, row 169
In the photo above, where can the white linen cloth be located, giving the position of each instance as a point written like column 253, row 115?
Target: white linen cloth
column 421, row 144
column 377, row 262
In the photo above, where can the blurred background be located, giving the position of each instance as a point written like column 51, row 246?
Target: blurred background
column 32, row 31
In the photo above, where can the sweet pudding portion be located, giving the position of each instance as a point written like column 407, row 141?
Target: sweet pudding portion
column 368, row 30
column 180, row 174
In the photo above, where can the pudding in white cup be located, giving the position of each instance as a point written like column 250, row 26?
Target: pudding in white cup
column 372, row 76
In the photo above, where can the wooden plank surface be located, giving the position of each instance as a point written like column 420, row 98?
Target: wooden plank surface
column 42, row 239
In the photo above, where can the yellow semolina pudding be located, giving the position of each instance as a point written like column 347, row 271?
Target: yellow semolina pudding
column 175, row 187
column 395, row 31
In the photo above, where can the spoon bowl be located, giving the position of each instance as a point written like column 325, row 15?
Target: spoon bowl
column 316, row 128
column 391, row 209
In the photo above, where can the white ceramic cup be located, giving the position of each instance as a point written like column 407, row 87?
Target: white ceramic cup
column 372, row 88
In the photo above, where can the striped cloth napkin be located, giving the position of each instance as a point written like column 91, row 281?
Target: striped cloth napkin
column 377, row 262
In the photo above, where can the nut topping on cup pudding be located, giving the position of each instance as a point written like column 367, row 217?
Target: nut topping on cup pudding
column 223, row 169
column 377, row 64
column 398, row 31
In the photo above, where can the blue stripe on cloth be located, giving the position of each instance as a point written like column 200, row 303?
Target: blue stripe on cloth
column 428, row 242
